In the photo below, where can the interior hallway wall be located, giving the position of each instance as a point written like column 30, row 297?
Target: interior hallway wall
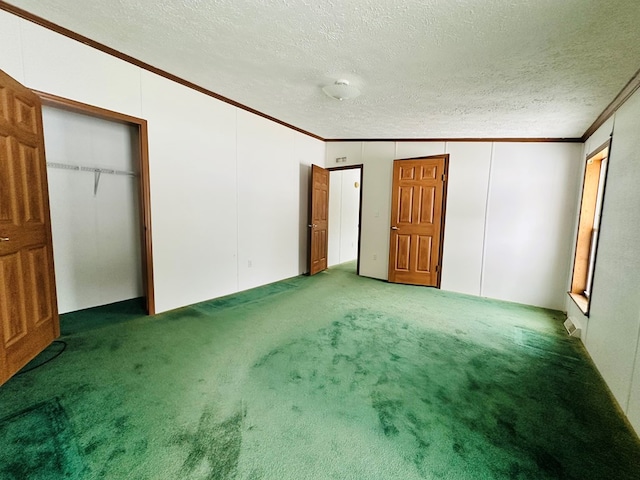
column 509, row 214
column 96, row 234
column 344, row 211
column 215, row 204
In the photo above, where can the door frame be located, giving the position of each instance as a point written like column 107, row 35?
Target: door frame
column 360, row 167
column 144, row 190
column 443, row 216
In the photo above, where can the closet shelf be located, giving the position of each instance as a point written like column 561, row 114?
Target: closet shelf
column 83, row 168
column 97, row 172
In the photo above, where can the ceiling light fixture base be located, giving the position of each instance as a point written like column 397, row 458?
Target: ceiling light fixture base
column 341, row 90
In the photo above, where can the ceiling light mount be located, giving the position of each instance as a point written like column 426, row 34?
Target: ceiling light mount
column 341, row 90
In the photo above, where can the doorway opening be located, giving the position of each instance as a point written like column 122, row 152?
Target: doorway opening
column 97, row 162
column 345, row 216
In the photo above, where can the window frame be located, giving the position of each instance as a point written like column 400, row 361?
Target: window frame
column 593, row 191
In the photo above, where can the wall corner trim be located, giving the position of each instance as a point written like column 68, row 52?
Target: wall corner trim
column 624, row 94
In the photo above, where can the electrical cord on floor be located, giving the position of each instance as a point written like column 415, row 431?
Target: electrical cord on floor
column 59, row 342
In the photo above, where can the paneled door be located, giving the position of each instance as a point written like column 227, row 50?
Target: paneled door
column 319, row 220
column 417, row 220
column 28, row 309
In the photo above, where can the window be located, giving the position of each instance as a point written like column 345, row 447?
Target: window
column 595, row 174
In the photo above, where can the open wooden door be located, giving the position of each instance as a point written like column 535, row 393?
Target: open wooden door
column 417, row 220
column 319, row 220
column 28, row 308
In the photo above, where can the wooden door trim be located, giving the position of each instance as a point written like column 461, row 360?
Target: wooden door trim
column 359, row 166
column 62, row 103
column 443, row 219
column 443, row 216
column 624, row 94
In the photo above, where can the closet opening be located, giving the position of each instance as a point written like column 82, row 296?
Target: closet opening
column 345, row 215
column 98, row 174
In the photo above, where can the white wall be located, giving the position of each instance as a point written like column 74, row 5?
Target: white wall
column 11, row 51
column 507, row 216
column 349, row 215
column 227, row 187
column 335, row 207
column 529, row 234
column 344, row 210
column 633, row 407
column 376, row 207
column 96, row 237
column 466, row 211
column 56, row 64
column 192, row 154
column 611, row 334
column 267, row 202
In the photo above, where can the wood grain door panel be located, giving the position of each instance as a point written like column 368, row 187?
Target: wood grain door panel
column 403, row 253
column 417, row 219
column 405, row 205
column 40, row 281
column 424, row 250
column 319, row 220
column 426, row 206
column 12, row 299
column 28, row 309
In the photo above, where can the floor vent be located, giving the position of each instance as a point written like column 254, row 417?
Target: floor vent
column 572, row 327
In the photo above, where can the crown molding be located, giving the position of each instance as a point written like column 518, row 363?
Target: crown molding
column 139, row 63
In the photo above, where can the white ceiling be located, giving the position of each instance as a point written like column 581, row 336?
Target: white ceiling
column 427, row 69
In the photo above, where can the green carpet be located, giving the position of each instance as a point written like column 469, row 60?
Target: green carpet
column 42, row 444
column 325, row 377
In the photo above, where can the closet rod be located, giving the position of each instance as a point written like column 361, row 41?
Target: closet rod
column 110, row 171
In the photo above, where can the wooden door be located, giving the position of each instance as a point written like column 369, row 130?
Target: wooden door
column 28, row 308
column 417, row 219
column 319, row 220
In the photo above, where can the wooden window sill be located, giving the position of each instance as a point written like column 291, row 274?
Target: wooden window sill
column 581, row 301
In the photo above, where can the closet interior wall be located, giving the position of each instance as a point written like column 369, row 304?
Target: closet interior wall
column 344, row 210
column 93, row 188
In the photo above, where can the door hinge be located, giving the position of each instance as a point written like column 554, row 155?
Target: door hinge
column 437, row 268
column 444, row 177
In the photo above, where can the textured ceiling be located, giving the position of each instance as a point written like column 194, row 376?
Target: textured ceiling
column 427, row 69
